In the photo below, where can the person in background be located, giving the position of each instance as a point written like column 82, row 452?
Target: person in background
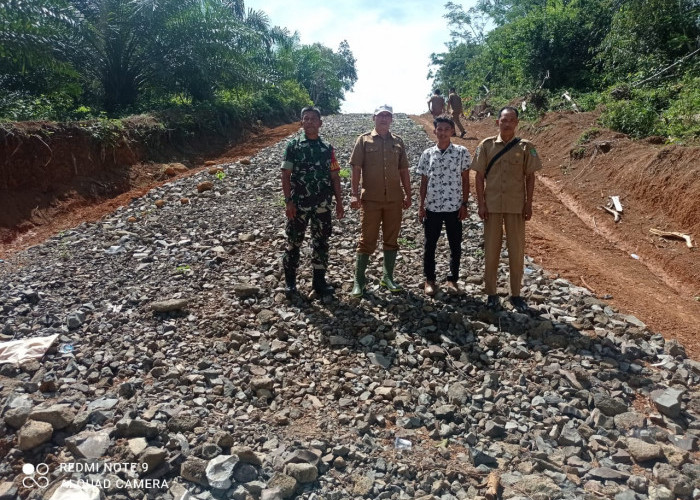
column 436, row 103
column 309, row 181
column 444, row 197
column 455, row 106
column 379, row 172
column 505, row 168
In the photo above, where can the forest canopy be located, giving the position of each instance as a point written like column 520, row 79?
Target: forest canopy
column 72, row 59
column 639, row 59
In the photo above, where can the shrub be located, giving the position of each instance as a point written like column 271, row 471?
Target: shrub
column 682, row 117
column 634, row 118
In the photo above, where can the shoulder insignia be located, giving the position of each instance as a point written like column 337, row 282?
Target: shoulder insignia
column 533, row 152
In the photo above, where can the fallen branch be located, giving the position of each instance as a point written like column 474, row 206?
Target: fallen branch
column 614, row 212
column 587, row 285
column 595, row 152
column 679, row 61
column 493, row 483
column 566, row 96
column 673, row 235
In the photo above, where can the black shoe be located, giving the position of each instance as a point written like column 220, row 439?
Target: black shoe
column 519, row 304
column 492, row 302
column 319, row 283
column 290, row 281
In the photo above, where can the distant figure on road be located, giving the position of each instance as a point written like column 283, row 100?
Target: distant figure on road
column 454, row 104
column 444, row 197
column 436, row 104
column 309, row 180
column 380, row 166
column 505, row 168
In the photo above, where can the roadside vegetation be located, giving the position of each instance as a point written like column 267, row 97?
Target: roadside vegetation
column 204, row 64
column 638, row 61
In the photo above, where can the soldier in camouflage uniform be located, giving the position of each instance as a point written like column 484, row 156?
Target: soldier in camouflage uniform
column 309, row 181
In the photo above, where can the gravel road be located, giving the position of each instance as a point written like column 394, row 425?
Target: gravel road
column 179, row 358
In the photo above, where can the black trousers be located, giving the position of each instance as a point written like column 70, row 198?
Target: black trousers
column 432, row 226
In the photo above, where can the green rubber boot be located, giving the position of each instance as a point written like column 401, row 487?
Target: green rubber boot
column 388, row 278
column 361, row 261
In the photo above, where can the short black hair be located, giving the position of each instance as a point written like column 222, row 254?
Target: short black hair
column 438, row 91
column 452, row 88
column 443, row 119
column 508, row 108
column 310, row 108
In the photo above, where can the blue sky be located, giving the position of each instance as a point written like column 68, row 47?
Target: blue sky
column 392, row 42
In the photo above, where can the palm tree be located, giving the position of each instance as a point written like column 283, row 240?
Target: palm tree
column 35, row 38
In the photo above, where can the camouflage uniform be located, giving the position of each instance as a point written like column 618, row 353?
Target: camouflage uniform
column 311, row 163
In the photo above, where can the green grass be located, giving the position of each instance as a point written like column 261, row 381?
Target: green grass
column 589, row 135
column 406, row 243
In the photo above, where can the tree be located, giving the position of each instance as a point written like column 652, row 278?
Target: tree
column 647, row 35
column 532, row 39
column 326, row 75
column 35, row 40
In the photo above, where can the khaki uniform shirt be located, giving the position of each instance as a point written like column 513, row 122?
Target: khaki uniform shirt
column 380, row 160
column 505, row 184
column 455, row 103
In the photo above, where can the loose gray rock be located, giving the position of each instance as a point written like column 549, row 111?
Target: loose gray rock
column 303, row 473
column 33, row 433
column 169, row 305
column 668, row 401
column 642, row 451
column 393, row 396
column 194, row 469
column 219, row 471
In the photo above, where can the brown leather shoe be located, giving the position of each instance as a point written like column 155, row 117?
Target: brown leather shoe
column 453, row 288
column 430, row 288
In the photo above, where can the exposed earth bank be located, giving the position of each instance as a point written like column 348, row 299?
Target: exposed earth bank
column 570, row 235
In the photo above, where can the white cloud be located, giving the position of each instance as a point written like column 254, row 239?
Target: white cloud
column 391, row 42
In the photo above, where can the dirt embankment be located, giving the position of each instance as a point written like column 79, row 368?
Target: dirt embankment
column 43, row 163
column 658, row 185
column 571, row 236
column 54, row 176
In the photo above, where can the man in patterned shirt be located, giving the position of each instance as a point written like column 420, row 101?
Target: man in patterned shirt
column 309, row 180
column 444, row 196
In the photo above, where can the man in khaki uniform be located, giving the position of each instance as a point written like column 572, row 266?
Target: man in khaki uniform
column 436, row 104
column 454, row 103
column 504, row 194
column 380, row 166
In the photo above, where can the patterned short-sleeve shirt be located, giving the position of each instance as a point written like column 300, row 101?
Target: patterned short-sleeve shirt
column 444, row 173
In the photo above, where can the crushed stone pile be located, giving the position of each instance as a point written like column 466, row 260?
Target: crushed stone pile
column 182, row 371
